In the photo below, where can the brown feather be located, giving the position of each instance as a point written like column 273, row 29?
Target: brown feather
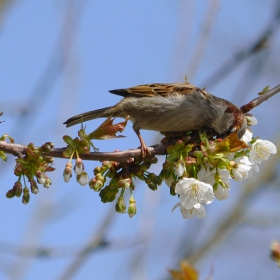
column 150, row 90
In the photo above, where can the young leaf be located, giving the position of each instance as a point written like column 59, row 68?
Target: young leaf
column 108, row 130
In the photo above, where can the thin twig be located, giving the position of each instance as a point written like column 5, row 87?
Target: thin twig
column 259, row 100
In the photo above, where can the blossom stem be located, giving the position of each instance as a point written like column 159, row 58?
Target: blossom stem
column 24, row 180
column 70, row 159
column 194, row 171
column 77, row 154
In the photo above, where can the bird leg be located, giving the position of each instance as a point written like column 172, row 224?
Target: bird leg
column 144, row 148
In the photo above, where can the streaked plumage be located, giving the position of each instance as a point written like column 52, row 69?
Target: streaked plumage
column 171, row 108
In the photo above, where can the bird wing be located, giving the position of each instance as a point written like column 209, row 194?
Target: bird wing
column 150, row 90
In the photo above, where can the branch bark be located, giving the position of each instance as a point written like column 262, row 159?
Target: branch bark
column 259, row 100
column 18, row 150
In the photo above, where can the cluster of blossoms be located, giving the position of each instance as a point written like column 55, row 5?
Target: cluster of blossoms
column 79, row 169
column 32, row 166
column 199, row 178
column 119, row 174
column 196, row 169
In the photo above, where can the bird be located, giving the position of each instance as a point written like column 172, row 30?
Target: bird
column 171, row 108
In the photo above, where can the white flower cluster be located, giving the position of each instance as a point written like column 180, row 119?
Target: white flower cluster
column 195, row 193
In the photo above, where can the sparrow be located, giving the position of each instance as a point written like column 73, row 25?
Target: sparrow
column 171, row 109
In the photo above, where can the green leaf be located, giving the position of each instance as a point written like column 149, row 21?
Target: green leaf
column 3, row 156
column 68, row 140
column 68, row 152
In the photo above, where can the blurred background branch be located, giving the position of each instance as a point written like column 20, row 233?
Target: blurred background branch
column 58, row 58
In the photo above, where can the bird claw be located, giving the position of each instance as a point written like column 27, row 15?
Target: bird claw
column 145, row 152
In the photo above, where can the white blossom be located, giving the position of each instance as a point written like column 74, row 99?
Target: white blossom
column 180, row 168
column 192, row 191
column 41, row 180
column 224, row 176
column 222, row 193
column 261, row 151
column 255, row 167
column 198, row 211
column 207, row 176
column 243, row 169
column 248, row 136
column 67, row 174
column 78, row 170
column 79, row 166
column 169, row 180
column 82, row 179
column 251, row 120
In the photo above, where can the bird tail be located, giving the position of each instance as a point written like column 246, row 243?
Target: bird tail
column 91, row 115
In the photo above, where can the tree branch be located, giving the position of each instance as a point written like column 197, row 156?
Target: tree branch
column 259, row 100
column 18, row 150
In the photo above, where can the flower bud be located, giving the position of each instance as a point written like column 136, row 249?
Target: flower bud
column 165, row 173
column 67, row 173
column 96, row 185
column 132, row 210
column 18, row 170
column 120, row 205
column 40, row 177
column 41, row 180
column 48, row 159
column 179, row 145
column 99, row 176
column 97, row 169
column 169, row 181
column 79, row 166
column 17, row 188
column 45, row 147
column 152, row 186
column 47, row 183
column 26, row 196
column 154, row 178
column 107, row 164
column 82, row 179
column 172, row 188
column 34, row 187
column 251, row 120
column 10, row 193
column 108, row 194
column 124, row 183
column 51, row 144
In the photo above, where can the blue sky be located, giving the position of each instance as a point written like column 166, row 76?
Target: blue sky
column 60, row 58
